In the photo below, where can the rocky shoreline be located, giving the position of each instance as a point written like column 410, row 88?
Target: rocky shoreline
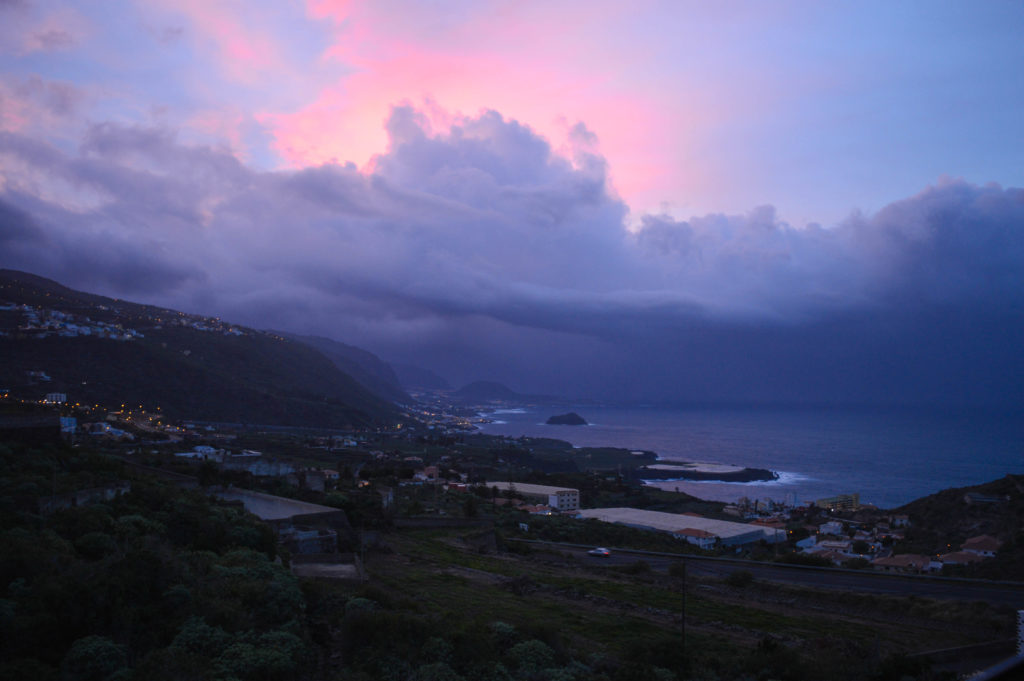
column 570, row 419
column 697, row 472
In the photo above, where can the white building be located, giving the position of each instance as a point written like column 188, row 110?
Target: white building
column 729, row 533
column 699, row 538
column 807, row 542
column 561, row 498
column 983, row 545
column 832, row 527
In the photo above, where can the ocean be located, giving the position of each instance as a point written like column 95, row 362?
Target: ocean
column 889, row 457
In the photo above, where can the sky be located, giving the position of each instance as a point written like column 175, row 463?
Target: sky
column 647, row 201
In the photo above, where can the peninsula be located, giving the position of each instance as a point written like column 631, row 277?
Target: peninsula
column 705, row 471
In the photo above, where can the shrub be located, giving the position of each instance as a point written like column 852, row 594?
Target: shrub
column 639, row 567
column 740, row 578
column 94, row 658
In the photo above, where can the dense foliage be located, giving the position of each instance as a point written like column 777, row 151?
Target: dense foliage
column 187, row 365
column 162, row 581
column 941, row 522
column 166, row 583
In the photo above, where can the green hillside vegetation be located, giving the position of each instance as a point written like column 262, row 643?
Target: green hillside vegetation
column 253, row 378
column 30, row 289
column 163, row 583
column 941, row 522
column 369, row 370
column 158, row 583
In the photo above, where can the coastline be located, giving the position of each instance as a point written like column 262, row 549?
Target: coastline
column 699, row 472
column 676, row 474
column 888, row 457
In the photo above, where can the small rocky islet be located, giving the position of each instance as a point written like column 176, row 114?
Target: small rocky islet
column 570, row 419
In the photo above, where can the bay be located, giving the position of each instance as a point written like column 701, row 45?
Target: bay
column 888, row 456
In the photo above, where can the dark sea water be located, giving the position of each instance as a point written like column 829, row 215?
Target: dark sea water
column 889, row 457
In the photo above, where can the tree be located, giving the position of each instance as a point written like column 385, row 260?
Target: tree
column 531, row 657
column 437, row 671
column 94, row 658
column 740, row 578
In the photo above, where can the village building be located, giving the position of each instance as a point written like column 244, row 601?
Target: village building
column 729, row 533
column 834, row 557
column 838, row 545
column 899, row 521
column 833, row 527
column 840, row 502
column 959, row 558
column 906, row 562
column 561, row 498
column 982, row 545
column 699, row 538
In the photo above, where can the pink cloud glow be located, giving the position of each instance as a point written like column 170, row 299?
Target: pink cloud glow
column 653, row 106
column 524, row 66
column 247, row 49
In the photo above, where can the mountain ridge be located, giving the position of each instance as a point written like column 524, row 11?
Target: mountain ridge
column 110, row 351
column 368, row 369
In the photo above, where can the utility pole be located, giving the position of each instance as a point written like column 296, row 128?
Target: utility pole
column 362, row 555
column 682, row 617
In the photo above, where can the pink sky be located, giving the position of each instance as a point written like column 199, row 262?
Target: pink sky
column 697, row 107
column 530, row 70
column 546, row 67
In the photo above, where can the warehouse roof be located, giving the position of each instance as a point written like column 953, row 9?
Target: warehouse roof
column 527, row 488
column 729, row 532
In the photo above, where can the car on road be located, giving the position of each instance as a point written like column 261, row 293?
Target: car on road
column 599, row 551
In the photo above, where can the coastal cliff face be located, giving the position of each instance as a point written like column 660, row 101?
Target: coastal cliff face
column 570, row 419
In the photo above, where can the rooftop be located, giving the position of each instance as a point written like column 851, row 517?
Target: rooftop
column 270, row 507
column 730, row 532
column 527, row 488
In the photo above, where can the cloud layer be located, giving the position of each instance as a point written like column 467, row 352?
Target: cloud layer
column 472, row 246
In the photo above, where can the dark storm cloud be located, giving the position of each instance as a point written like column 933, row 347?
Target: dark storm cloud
column 481, row 251
column 954, row 243
column 17, row 227
column 93, row 257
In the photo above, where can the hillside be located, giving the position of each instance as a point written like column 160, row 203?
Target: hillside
column 108, row 351
column 486, row 391
column 163, row 583
column 947, row 518
column 368, row 369
column 414, row 377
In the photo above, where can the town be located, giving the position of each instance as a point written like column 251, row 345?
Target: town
column 319, row 530
column 443, row 467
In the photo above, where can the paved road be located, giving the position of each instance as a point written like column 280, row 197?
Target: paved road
column 997, row 593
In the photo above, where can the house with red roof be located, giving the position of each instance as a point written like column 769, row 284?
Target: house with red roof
column 906, row 562
column 959, row 558
column 700, row 538
column 982, row 545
